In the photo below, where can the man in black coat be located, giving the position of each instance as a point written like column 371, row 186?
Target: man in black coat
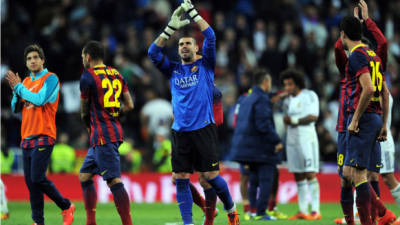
column 256, row 143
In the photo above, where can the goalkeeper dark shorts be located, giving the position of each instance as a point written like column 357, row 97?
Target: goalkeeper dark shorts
column 195, row 150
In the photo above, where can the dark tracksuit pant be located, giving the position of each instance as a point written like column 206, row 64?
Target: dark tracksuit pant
column 36, row 160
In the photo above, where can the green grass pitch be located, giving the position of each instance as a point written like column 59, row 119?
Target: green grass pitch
column 159, row 214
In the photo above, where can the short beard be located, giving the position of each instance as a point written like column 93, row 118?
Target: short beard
column 188, row 59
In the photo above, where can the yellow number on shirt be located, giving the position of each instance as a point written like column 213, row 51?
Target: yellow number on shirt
column 377, row 78
column 340, row 159
column 116, row 84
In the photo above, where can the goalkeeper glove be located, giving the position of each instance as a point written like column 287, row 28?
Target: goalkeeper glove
column 189, row 8
column 175, row 23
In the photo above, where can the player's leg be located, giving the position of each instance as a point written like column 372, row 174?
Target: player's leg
column 313, row 189
column 346, row 192
column 302, row 199
column 312, row 167
column 206, row 161
column 108, row 160
column 3, row 202
column 253, row 189
column 181, row 161
column 244, row 189
column 36, row 197
column 274, row 191
column 265, row 173
column 196, row 196
column 87, row 171
column 394, row 186
column 210, row 201
column 40, row 162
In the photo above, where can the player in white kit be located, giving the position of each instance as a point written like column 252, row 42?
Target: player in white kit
column 387, row 156
column 302, row 148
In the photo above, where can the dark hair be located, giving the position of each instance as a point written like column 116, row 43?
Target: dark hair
column 259, row 75
column 351, row 27
column 95, row 49
column 34, row 48
column 295, row 75
column 367, row 42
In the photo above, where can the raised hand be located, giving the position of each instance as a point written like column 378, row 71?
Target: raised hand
column 13, row 79
column 364, row 9
column 175, row 23
column 189, row 8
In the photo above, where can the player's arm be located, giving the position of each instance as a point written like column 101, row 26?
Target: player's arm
column 209, row 45
column 49, row 88
column 312, row 109
column 385, row 112
column 367, row 91
column 127, row 99
column 85, row 86
column 263, row 124
column 340, row 56
column 155, row 51
column 16, row 103
column 381, row 42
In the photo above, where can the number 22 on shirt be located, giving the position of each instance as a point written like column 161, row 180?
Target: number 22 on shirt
column 114, row 89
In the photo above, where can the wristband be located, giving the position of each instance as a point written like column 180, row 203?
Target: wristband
column 294, row 120
column 194, row 14
column 168, row 31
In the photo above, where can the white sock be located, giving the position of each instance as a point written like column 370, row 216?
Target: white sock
column 3, row 199
column 302, row 196
column 355, row 205
column 396, row 194
column 313, row 188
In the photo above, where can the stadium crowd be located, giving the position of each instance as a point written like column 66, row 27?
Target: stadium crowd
column 250, row 34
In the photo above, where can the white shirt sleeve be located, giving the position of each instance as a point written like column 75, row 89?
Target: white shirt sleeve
column 311, row 103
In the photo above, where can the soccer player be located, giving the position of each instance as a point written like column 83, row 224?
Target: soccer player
column 387, row 153
column 37, row 98
column 102, row 89
column 208, row 205
column 302, row 142
column 341, row 61
column 194, row 138
column 365, row 126
column 255, row 142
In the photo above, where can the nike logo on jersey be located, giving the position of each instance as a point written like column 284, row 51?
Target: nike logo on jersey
column 41, row 149
column 104, row 172
column 214, row 164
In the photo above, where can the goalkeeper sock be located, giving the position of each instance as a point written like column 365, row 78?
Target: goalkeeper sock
column 90, row 200
column 220, row 186
column 185, row 200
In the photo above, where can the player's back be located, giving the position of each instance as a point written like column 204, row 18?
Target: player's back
column 364, row 60
column 103, row 86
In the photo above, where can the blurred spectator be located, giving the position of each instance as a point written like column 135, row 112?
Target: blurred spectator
column 162, row 154
column 63, row 156
column 131, row 158
column 7, row 160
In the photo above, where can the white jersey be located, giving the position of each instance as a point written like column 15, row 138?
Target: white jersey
column 302, row 147
column 304, row 104
column 387, row 147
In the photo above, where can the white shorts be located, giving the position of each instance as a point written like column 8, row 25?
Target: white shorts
column 387, row 155
column 304, row 156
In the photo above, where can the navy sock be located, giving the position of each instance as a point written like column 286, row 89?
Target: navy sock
column 220, row 186
column 347, row 201
column 185, row 200
column 375, row 186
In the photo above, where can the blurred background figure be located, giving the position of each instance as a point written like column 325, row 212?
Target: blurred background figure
column 63, row 156
column 162, row 154
column 131, row 158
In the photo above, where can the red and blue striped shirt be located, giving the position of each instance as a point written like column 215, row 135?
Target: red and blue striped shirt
column 103, row 86
column 363, row 60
